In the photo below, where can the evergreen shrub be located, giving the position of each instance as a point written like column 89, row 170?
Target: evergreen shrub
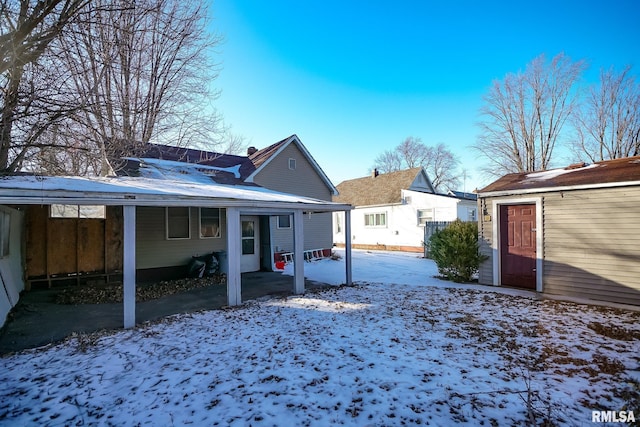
column 456, row 251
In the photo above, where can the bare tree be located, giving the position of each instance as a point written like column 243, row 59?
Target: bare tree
column 144, row 70
column 525, row 113
column 608, row 122
column 28, row 101
column 439, row 162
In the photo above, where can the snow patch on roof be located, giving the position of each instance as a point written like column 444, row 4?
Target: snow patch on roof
column 82, row 187
column 550, row 174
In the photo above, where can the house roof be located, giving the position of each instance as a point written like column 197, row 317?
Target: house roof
column 607, row 173
column 231, row 169
column 263, row 157
column 382, row 189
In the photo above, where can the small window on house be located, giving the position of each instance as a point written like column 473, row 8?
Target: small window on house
column 209, row 223
column 338, row 216
column 292, row 164
column 5, row 227
column 178, row 223
column 424, row 216
column 375, row 219
column 75, row 211
column 472, row 214
column 284, row 221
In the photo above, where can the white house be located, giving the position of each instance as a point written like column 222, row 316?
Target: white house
column 391, row 210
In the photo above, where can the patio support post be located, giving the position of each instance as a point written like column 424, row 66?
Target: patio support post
column 234, row 252
column 298, row 253
column 347, row 247
column 129, row 266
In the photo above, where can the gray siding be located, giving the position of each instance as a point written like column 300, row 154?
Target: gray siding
column 315, row 235
column 303, row 181
column 153, row 250
column 592, row 244
column 485, row 238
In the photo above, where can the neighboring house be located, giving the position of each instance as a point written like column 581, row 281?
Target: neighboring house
column 391, row 210
column 572, row 232
column 286, row 166
column 143, row 226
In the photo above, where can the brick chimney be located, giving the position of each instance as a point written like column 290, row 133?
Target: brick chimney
column 374, row 173
column 251, row 151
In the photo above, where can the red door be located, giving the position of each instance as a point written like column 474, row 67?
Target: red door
column 518, row 246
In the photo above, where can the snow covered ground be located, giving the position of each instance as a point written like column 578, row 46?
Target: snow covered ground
column 399, row 348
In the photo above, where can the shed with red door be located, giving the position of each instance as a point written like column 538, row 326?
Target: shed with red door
column 573, row 231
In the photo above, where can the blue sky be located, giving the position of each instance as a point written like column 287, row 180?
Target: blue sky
column 355, row 78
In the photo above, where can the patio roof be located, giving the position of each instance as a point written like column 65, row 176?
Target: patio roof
column 140, row 191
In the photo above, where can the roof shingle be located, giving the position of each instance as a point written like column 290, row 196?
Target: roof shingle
column 383, row 189
column 598, row 173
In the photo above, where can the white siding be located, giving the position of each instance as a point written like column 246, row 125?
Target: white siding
column 11, row 280
column 402, row 228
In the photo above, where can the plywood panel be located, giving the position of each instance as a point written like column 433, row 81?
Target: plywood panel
column 90, row 249
column 61, row 248
column 113, row 238
column 36, row 241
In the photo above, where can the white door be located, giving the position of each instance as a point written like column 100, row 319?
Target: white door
column 250, row 241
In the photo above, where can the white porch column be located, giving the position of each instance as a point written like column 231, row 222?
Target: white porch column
column 129, row 266
column 347, row 247
column 234, row 252
column 298, row 253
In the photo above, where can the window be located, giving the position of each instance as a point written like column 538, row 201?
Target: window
column 292, row 164
column 75, row 211
column 424, row 216
column 5, row 227
column 375, row 220
column 209, row 223
column 472, row 214
column 284, row 221
column 178, row 223
column 248, row 238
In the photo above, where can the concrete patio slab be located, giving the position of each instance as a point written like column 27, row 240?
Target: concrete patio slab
column 37, row 320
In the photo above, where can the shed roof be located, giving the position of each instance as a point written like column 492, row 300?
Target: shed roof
column 607, row 173
column 382, row 189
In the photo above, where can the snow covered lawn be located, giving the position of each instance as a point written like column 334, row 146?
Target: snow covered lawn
column 399, row 348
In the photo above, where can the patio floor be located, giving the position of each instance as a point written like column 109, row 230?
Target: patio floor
column 37, row 320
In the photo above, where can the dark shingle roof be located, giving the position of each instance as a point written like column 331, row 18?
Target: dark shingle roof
column 383, row 189
column 201, row 157
column 598, row 173
column 261, row 156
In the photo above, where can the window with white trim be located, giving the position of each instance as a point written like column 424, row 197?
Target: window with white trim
column 75, row 211
column 375, row 219
column 472, row 214
column 178, row 223
column 5, row 227
column 284, row 221
column 209, row 223
column 424, row 216
column 292, row 164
